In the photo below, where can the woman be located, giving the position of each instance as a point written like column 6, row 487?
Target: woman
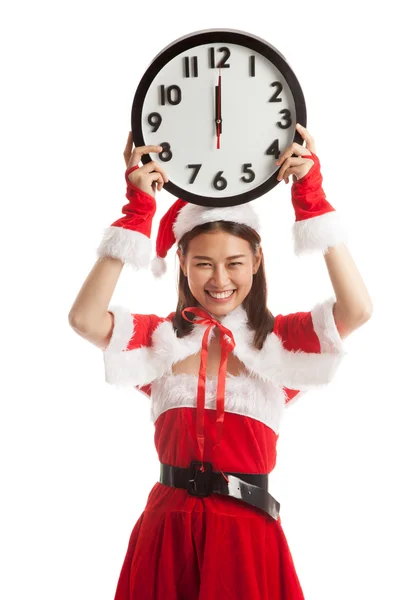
column 219, row 372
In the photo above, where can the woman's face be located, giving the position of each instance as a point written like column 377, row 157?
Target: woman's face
column 218, row 261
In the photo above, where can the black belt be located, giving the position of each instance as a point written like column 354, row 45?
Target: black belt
column 251, row 488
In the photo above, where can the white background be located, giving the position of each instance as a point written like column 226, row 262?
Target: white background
column 77, row 456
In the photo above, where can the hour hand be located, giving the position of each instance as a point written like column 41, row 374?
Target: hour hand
column 218, row 116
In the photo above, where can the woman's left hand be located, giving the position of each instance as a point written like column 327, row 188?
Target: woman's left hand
column 298, row 166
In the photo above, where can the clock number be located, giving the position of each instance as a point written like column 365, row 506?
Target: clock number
column 252, row 66
column 166, row 153
column 286, row 117
column 275, row 98
column 219, row 182
column 223, row 60
column 222, row 63
column 195, row 173
column 248, row 171
column 273, row 150
column 186, row 67
column 155, row 120
column 172, row 95
column 211, row 54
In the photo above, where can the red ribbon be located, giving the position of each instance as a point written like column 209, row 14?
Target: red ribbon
column 227, row 344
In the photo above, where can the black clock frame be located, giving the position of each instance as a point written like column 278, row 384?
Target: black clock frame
column 210, row 36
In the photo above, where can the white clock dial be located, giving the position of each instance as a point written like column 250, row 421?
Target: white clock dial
column 210, row 82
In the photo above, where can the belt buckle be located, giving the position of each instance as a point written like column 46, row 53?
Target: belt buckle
column 199, row 483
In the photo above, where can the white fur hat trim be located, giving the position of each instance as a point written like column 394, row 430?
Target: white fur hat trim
column 192, row 215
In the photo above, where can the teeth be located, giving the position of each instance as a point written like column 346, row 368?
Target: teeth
column 221, row 295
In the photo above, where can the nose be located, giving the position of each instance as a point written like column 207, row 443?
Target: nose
column 220, row 278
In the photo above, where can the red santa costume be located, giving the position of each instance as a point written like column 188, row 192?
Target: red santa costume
column 213, row 530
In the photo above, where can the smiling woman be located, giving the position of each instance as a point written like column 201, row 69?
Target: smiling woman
column 226, row 375
column 220, row 243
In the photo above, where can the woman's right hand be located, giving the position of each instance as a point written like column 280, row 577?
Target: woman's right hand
column 148, row 177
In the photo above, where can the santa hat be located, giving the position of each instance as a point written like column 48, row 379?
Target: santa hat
column 184, row 216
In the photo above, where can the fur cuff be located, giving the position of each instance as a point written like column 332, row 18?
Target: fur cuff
column 132, row 247
column 319, row 233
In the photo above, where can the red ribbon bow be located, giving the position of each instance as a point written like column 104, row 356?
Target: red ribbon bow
column 227, row 344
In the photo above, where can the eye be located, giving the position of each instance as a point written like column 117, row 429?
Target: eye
column 232, row 263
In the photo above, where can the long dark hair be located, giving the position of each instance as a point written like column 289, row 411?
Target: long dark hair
column 260, row 318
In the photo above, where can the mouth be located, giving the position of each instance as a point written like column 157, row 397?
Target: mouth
column 221, row 297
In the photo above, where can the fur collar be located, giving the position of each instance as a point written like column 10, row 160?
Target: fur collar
column 296, row 370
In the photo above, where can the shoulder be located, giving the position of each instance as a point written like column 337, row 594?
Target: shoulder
column 130, row 358
column 306, row 348
column 133, row 330
column 296, row 331
column 310, row 331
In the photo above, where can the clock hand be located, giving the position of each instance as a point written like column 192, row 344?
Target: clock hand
column 218, row 112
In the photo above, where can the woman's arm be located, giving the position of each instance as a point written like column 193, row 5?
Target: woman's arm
column 318, row 228
column 353, row 305
column 89, row 315
column 126, row 241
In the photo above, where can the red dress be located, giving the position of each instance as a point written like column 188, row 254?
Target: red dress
column 185, row 547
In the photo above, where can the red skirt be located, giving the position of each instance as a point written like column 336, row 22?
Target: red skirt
column 188, row 548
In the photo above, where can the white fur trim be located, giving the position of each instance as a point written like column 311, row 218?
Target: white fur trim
column 192, row 215
column 132, row 368
column 250, row 397
column 171, row 349
column 158, row 266
column 325, row 327
column 141, row 366
column 132, row 247
column 123, row 329
column 296, row 370
column 128, row 367
column 319, row 233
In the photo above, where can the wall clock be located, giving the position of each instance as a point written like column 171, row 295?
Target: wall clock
column 224, row 105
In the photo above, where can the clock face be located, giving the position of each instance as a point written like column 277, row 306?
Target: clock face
column 224, row 106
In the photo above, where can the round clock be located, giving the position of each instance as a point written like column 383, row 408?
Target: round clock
column 223, row 104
